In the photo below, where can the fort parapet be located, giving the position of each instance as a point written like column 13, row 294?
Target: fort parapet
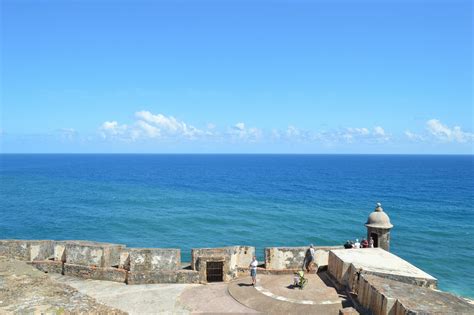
column 381, row 282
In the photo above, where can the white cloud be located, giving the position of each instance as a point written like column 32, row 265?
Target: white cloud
column 112, row 129
column 413, row 136
column 167, row 125
column 358, row 131
column 241, row 132
column 147, row 125
column 444, row 133
column 379, row 131
column 149, row 130
column 150, row 126
column 354, row 135
column 239, row 126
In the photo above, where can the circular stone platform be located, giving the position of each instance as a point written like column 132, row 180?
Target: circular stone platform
column 275, row 294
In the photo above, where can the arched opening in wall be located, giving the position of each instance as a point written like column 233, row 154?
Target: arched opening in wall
column 215, row 271
column 375, row 237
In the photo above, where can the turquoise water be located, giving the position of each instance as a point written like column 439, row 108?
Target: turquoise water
column 191, row 201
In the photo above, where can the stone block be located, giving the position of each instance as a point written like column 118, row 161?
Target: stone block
column 151, row 277
column 48, row 266
column 26, row 250
column 153, row 259
column 241, row 256
column 96, row 273
column 41, row 250
column 124, row 260
column 280, row 258
column 187, row 276
column 93, row 253
column 60, row 251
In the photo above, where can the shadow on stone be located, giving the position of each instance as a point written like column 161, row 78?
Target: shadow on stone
column 245, row 285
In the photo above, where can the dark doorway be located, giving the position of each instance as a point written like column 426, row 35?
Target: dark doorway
column 375, row 237
column 214, row 271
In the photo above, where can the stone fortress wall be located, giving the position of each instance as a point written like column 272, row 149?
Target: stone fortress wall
column 380, row 282
column 117, row 262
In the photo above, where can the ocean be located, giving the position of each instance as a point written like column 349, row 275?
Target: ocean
column 186, row 201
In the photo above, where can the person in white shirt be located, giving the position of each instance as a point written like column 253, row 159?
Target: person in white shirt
column 253, row 270
column 357, row 244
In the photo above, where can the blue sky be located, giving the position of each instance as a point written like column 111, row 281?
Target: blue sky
column 237, row 76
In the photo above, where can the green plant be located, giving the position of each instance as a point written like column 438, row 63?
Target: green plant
column 302, row 280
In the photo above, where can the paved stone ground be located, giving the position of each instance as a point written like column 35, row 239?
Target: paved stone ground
column 23, row 289
column 275, row 295
column 212, row 298
column 159, row 298
column 26, row 290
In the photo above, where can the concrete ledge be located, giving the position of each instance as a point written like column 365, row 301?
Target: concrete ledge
column 96, row 273
column 48, row 266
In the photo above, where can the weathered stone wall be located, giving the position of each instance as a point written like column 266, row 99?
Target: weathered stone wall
column 382, row 296
column 27, row 250
column 233, row 258
column 153, row 259
column 101, row 261
column 292, row 258
column 153, row 265
column 346, row 264
column 91, row 253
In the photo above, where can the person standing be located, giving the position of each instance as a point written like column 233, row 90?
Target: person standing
column 253, row 270
column 357, row 244
column 309, row 258
column 371, row 242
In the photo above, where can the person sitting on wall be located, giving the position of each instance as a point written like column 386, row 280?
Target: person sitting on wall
column 253, row 270
column 364, row 243
column 348, row 244
column 309, row 258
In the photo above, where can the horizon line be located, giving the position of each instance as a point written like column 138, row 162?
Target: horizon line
column 224, row 153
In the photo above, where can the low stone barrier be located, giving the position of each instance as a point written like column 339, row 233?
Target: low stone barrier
column 176, row 276
column 293, row 258
column 91, row 253
column 153, row 259
column 96, row 273
column 27, row 250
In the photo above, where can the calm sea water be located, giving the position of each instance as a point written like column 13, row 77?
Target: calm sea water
column 191, row 201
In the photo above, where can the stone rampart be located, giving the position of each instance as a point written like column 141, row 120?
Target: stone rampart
column 346, row 265
column 382, row 296
column 293, row 258
column 232, row 258
column 27, row 250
